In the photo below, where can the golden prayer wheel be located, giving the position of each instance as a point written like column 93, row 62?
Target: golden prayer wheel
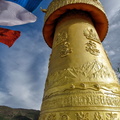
column 81, row 84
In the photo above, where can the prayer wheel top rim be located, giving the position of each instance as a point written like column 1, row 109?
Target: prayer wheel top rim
column 53, row 13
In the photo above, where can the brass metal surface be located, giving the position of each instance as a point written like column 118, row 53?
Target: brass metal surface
column 81, row 84
column 59, row 7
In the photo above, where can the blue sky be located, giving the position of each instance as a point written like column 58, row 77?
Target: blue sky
column 24, row 66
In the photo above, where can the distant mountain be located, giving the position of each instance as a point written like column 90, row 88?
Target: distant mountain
column 7, row 113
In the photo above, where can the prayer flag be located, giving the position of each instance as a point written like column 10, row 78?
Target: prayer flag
column 8, row 37
column 30, row 5
column 13, row 14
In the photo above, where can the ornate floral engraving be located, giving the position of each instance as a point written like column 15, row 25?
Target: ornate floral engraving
column 65, row 49
column 51, row 117
column 111, row 116
column 64, row 117
column 91, row 47
column 98, row 116
column 91, row 35
column 82, row 116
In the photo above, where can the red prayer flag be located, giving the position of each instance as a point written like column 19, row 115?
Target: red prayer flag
column 8, row 36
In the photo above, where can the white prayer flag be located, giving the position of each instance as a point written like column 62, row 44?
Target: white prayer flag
column 13, row 14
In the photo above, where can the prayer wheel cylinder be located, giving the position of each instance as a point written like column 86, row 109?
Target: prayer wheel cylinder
column 81, row 84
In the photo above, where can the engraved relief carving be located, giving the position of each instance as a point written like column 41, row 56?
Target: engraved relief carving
column 83, row 85
column 111, row 116
column 91, row 35
column 98, row 2
column 80, row 99
column 82, row 116
column 91, row 71
column 98, row 116
column 64, row 117
column 91, row 47
column 57, row 4
column 60, row 38
column 52, row 117
column 65, row 49
column 97, row 86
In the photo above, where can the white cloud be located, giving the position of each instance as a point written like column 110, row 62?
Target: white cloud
column 25, row 70
column 112, row 41
column 111, row 7
column 111, row 53
column 3, row 97
column 25, row 65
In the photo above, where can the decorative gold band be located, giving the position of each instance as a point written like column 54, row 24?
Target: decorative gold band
column 55, row 4
column 81, row 115
column 57, row 8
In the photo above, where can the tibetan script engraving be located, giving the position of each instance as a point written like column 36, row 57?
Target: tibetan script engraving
column 111, row 116
column 60, row 38
column 91, row 47
column 82, row 116
column 65, row 49
column 91, row 35
column 98, row 116
column 82, row 99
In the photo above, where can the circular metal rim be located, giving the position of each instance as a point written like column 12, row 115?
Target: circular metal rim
column 98, row 16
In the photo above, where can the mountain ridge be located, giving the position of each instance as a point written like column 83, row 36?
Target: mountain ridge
column 7, row 113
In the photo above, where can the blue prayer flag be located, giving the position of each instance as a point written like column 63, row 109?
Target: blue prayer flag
column 30, row 5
